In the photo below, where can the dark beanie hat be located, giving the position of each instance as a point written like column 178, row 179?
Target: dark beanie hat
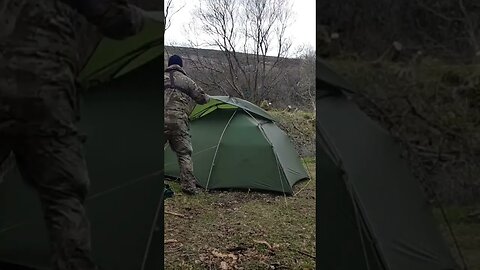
column 175, row 60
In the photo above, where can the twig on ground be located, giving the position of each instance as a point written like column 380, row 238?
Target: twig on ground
column 263, row 242
column 175, row 214
column 302, row 252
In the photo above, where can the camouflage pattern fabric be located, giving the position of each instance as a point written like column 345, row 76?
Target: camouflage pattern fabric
column 181, row 94
column 55, row 166
column 176, row 132
column 39, row 108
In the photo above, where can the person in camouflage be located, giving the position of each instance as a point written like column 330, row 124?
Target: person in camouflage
column 39, row 108
column 181, row 94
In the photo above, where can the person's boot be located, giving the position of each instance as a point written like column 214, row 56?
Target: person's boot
column 189, row 187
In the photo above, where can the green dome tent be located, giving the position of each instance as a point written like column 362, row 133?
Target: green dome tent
column 236, row 144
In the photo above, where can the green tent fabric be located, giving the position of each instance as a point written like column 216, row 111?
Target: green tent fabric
column 224, row 102
column 371, row 212
column 124, row 128
column 113, row 58
column 237, row 145
column 328, row 79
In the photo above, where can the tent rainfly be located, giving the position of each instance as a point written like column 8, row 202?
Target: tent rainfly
column 236, row 144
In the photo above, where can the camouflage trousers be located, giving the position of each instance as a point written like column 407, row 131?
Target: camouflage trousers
column 56, row 168
column 176, row 132
column 38, row 109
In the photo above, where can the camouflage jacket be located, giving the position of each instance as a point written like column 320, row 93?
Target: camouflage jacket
column 181, row 92
column 39, row 53
column 48, row 29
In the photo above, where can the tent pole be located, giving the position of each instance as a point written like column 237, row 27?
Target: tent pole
column 218, row 146
column 361, row 227
column 152, row 231
column 278, row 167
column 450, row 228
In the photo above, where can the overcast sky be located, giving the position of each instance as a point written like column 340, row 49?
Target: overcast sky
column 301, row 31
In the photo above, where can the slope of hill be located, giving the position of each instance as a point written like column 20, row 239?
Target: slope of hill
column 288, row 81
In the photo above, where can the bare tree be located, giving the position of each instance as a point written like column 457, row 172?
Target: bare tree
column 459, row 22
column 304, row 87
column 252, row 36
column 169, row 11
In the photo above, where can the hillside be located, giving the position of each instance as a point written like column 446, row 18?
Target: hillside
column 192, row 54
column 291, row 81
column 432, row 108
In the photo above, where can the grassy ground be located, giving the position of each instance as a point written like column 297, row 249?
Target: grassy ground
column 466, row 228
column 241, row 230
